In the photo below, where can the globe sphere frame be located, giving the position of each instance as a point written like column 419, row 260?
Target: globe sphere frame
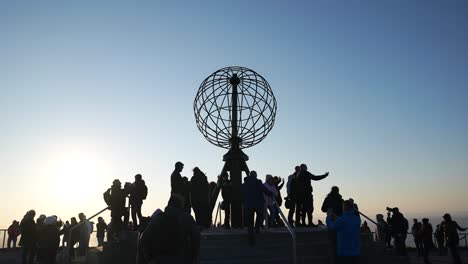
column 214, row 108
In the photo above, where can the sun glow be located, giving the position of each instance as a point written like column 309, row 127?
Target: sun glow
column 76, row 176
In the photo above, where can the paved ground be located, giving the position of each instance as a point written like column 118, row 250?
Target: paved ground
column 13, row 257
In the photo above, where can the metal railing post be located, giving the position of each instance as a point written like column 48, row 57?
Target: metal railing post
column 4, row 235
column 291, row 231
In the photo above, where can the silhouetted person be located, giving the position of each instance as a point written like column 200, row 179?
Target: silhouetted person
column 333, row 201
column 278, row 182
column 187, row 195
column 271, row 200
column 115, row 199
column 28, row 237
column 291, row 189
column 415, row 229
column 200, row 197
column 365, row 228
column 40, row 226
column 347, row 228
column 399, row 229
column 304, row 196
column 13, row 232
column 226, row 193
column 253, row 199
column 49, row 240
column 440, row 237
column 383, row 230
column 138, row 193
column 74, row 236
column 66, row 233
column 172, row 236
column 177, row 182
column 101, row 227
column 85, row 233
column 425, row 237
column 451, row 237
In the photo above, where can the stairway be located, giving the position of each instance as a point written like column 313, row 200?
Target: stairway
column 274, row 246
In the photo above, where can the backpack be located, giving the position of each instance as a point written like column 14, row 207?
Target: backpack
column 144, row 192
column 107, row 197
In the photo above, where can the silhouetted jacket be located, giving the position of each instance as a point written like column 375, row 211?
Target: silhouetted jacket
column 348, row 233
column 199, row 190
column 451, row 234
column 333, row 201
column 117, row 201
column 28, row 232
column 303, row 185
column 226, row 192
column 137, row 193
column 425, row 235
column 253, row 193
column 398, row 224
column 155, row 239
column 177, row 183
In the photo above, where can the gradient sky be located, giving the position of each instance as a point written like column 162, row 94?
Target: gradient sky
column 373, row 91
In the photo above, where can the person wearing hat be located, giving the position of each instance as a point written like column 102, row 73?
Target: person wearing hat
column 115, row 199
column 451, row 236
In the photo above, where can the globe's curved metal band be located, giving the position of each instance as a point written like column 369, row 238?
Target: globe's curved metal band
column 256, row 107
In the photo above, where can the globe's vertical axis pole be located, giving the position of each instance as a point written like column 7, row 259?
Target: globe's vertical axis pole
column 235, row 157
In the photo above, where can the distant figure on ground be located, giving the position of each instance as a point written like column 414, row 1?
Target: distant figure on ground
column 451, row 236
column 253, row 199
column 49, row 240
column 85, row 233
column 291, row 199
column 365, row 228
column 13, row 232
column 271, row 200
column 347, row 228
column 28, row 237
column 415, row 230
column 440, row 237
column 383, row 230
column 138, row 193
column 304, row 193
column 320, row 223
column 115, row 199
column 425, row 237
column 226, row 193
column 398, row 229
column 200, row 196
column 172, row 236
column 333, row 202
column 101, row 227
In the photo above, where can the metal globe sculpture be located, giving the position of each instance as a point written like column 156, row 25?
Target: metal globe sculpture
column 234, row 109
column 221, row 118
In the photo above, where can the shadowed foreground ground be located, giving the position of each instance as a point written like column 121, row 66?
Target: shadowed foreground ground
column 12, row 256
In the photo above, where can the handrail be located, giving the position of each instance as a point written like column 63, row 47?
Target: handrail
column 291, row 231
column 66, row 254
column 365, row 216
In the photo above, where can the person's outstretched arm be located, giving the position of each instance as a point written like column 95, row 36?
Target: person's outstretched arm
column 459, row 228
column 319, row 177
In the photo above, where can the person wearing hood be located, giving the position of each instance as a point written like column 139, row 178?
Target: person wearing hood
column 28, row 237
column 253, row 198
column 333, row 202
column 200, row 196
column 171, row 236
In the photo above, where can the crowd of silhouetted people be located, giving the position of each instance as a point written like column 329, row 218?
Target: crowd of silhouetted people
column 172, row 235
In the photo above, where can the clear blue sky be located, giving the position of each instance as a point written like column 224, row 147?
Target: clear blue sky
column 373, row 91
